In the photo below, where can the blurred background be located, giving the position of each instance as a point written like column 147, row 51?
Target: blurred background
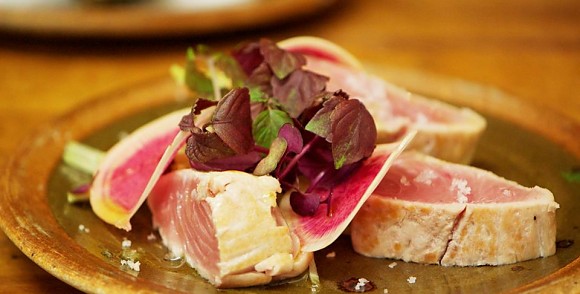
column 57, row 55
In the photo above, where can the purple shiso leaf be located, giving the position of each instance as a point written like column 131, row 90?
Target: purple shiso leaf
column 353, row 132
column 248, row 57
column 304, row 204
column 297, row 91
column 320, row 124
column 281, row 62
column 232, row 120
column 293, row 138
column 206, row 146
column 241, row 162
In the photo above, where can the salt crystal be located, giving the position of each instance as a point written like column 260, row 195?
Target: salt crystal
column 360, row 285
column 151, row 237
column 84, row 229
column 331, row 255
column 411, row 280
column 404, row 181
column 426, row 176
column 392, row 264
column 506, row 193
column 126, row 243
column 385, row 291
column 462, row 189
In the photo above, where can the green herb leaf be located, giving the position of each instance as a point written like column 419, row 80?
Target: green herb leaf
column 267, row 125
column 195, row 79
column 572, row 176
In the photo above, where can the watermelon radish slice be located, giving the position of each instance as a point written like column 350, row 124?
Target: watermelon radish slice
column 322, row 49
column 321, row 229
column 131, row 168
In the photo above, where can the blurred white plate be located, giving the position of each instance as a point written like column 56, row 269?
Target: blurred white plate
column 148, row 18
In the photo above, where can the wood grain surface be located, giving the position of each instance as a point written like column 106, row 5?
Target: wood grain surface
column 529, row 49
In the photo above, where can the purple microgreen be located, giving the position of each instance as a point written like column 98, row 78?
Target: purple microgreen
column 232, row 120
column 304, row 204
column 292, row 136
column 297, row 91
column 187, row 122
column 248, row 56
column 353, row 133
column 321, row 123
column 297, row 158
column 269, row 163
column 281, row 62
column 242, row 162
column 267, row 124
column 206, row 146
column 260, row 78
column 79, row 193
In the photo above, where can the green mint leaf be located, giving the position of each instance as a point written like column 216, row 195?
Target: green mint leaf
column 353, row 133
column 267, row 125
column 572, row 176
column 195, row 79
column 257, row 95
column 269, row 163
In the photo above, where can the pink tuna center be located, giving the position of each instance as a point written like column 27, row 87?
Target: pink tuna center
column 430, row 182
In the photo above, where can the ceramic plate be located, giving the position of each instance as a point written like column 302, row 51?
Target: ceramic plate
column 148, row 18
column 38, row 219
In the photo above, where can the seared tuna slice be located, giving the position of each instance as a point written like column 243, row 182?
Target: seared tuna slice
column 227, row 226
column 429, row 211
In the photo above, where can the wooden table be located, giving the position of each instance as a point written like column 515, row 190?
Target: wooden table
column 530, row 49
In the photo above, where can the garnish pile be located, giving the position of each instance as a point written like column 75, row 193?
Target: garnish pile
column 272, row 116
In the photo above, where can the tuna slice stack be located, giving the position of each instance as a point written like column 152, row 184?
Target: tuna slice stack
column 228, row 227
column 444, row 131
column 429, row 211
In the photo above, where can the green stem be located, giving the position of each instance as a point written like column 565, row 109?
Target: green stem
column 82, row 157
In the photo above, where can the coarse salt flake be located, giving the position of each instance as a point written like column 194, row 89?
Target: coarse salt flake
column 151, row 237
column 84, row 229
column 331, row 255
column 360, row 285
column 411, row 280
column 126, row 243
column 392, row 264
column 426, row 176
column 460, row 185
column 385, row 291
column 506, row 192
column 404, row 181
column 133, row 265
